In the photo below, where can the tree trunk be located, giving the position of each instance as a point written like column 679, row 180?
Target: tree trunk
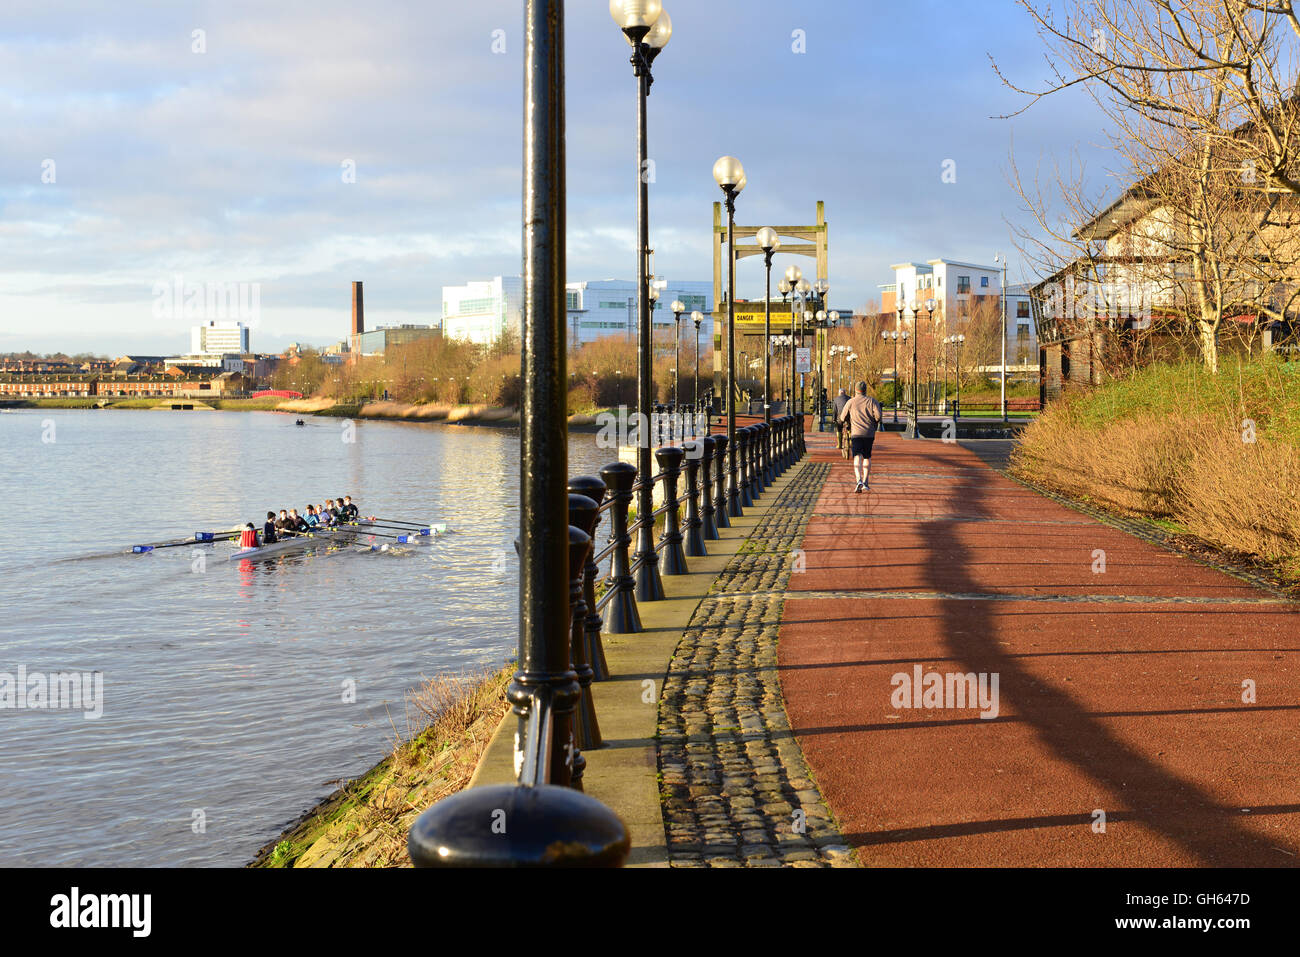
column 1209, row 347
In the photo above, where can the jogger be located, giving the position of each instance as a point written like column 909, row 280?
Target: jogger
column 863, row 415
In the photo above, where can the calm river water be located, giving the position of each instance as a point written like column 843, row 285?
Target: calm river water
column 224, row 683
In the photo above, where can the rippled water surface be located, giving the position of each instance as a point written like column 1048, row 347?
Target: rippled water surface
column 224, row 682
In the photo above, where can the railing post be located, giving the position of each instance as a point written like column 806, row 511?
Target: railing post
column 621, row 615
column 694, row 524
column 756, row 460
column 584, row 512
column 744, row 445
column 720, row 506
column 674, row 558
column 769, row 470
column 708, row 531
column 593, row 651
column 566, row 744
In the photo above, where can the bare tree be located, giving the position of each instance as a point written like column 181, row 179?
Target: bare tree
column 1197, row 98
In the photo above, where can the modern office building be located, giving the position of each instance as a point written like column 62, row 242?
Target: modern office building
column 218, row 337
column 482, row 312
column 607, row 307
column 376, row 342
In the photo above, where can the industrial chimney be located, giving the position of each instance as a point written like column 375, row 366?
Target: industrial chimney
column 358, row 310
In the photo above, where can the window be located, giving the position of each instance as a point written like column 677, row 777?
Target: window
column 1022, row 334
column 963, row 284
column 984, row 282
column 1022, row 309
column 571, row 297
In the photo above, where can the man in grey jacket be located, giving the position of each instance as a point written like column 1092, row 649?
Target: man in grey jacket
column 862, row 414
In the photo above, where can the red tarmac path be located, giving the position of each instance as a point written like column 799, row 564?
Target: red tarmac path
column 1118, row 690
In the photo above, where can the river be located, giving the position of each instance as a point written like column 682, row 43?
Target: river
column 227, row 686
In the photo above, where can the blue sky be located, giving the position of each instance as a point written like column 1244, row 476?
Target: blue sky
column 226, row 165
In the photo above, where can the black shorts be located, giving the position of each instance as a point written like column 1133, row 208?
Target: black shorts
column 861, row 445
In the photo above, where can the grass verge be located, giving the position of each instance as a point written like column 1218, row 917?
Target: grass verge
column 1215, row 458
column 364, row 823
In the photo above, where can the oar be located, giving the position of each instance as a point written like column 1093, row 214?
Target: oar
column 200, row 538
column 436, row 528
column 420, row 530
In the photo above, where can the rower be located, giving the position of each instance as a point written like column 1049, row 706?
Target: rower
column 323, row 516
column 296, row 521
column 350, row 511
column 248, row 537
column 268, row 530
column 311, row 519
column 282, row 523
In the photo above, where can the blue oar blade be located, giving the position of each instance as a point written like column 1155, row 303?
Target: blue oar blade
column 141, row 549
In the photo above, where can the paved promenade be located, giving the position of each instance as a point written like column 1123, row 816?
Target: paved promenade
column 1120, row 735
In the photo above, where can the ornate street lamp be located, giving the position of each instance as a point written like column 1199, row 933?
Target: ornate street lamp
column 913, row 419
column 550, row 824
column 769, row 242
column 730, row 177
column 697, row 317
column 678, row 307
column 647, row 29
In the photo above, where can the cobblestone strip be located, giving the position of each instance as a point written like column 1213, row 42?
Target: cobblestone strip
column 735, row 789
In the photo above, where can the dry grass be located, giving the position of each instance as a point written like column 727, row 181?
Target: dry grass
column 1217, row 456
column 450, row 721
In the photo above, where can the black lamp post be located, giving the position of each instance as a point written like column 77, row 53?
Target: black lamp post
column 678, row 308
column 730, row 176
column 697, row 317
column 913, row 420
column 550, row 825
column 769, row 242
column 959, row 340
column 892, row 336
column 647, row 29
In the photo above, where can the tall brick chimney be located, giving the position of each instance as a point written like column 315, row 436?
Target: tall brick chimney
column 358, row 310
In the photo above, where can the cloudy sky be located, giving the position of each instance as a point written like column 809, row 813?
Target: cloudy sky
column 138, row 153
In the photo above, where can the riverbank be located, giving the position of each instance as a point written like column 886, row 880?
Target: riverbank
column 477, row 415
column 364, row 823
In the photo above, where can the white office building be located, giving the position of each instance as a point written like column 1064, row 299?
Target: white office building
column 959, row 289
column 218, row 337
column 607, row 307
column 482, row 312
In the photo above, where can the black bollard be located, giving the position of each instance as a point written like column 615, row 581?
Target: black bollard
column 593, row 649
column 621, row 615
column 745, row 445
column 694, row 450
column 674, row 557
column 708, row 530
column 583, row 514
column 734, row 503
column 756, row 460
column 567, row 744
column 721, row 497
column 769, row 469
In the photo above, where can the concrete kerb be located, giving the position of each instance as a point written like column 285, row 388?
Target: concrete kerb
column 624, row 774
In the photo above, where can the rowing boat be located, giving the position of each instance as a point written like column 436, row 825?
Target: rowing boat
column 297, row 543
